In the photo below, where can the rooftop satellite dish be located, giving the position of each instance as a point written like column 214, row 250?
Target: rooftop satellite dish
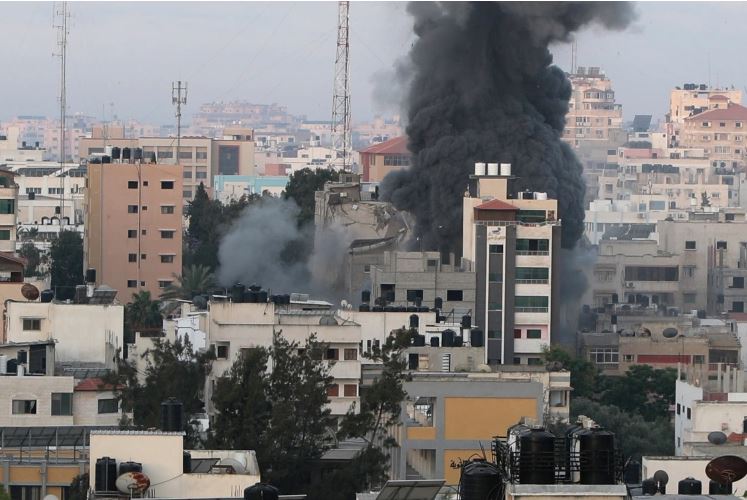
column 716, row 437
column 661, row 477
column 726, row 469
column 670, row 333
column 132, row 482
column 29, row 291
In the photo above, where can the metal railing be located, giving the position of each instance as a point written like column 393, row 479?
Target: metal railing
column 532, row 252
column 531, row 309
column 532, row 282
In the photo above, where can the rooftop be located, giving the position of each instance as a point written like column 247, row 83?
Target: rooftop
column 497, row 205
column 398, row 146
column 731, row 112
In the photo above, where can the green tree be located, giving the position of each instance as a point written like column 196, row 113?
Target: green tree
column 194, row 280
column 584, row 374
column 79, row 487
column 301, row 188
column 66, row 254
column 143, row 315
column 33, row 258
column 643, row 390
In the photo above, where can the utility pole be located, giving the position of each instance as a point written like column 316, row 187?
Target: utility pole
column 341, row 139
column 62, row 32
column 177, row 99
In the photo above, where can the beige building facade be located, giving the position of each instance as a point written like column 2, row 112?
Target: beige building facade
column 593, row 114
column 721, row 133
column 133, row 234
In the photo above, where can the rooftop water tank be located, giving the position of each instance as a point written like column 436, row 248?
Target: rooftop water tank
column 536, row 457
column 597, row 456
column 106, row 474
column 479, row 480
column 689, row 486
column 493, row 169
column 480, row 168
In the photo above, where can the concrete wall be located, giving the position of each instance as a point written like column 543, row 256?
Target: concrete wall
column 679, row 468
column 39, row 389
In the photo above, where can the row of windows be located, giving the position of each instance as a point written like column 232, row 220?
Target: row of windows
column 526, row 246
column 198, row 175
column 165, row 259
column 61, row 405
column 165, row 209
column 164, row 184
column 524, row 303
column 348, row 391
column 532, row 333
column 166, row 234
column 604, row 355
column 222, row 351
column 161, row 283
column 720, row 124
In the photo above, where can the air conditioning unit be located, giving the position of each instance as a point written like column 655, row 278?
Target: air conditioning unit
column 629, row 284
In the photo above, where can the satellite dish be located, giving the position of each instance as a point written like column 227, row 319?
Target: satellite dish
column 670, row 333
column 716, row 437
column 132, row 482
column 661, row 477
column 30, row 292
column 726, row 469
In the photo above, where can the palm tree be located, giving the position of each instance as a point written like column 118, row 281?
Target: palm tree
column 143, row 314
column 195, row 279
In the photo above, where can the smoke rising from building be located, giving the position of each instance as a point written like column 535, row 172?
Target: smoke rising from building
column 483, row 88
column 266, row 247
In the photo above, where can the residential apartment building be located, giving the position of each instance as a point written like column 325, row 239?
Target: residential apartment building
column 8, row 211
column 720, row 132
column 228, row 188
column 200, row 158
column 387, row 156
column 593, row 113
column 511, row 240
column 14, row 148
column 133, row 225
column 236, row 326
column 692, row 99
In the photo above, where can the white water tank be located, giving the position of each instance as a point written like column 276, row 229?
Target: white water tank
column 3, row 364
column 540, row 196
column 21, row 370
column 506, row 169
column 479, row 168
column 492, row 169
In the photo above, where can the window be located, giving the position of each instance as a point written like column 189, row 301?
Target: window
column 144, row 232
column 131, row 184
column 722, row 124
column 495, row 334
column 4, row 234
column 167, row 209
column 31, row 324
column 414, row 295
column 201, row 155
column 534, row 333
column 24, row 407
column 167, row 184
column 531, row 303
column 496, row 248
column 629, row 358
column 517, row 333
column 332, row 354
column 351, row 354
column 688, row 298
column 454, row 295
column 678, row 408
column 7, row 206
column 532, row 247
column 132, row 257
column 185, row 155
column 651, row 273
column 108, row 406
column 164, row 283
column 62, row 403
column 143, row 256
column 221, row 351
column 131, row 283
column 688, row 271
column 720, row 245
column 167, row 235
column 187, row 174
column 131, row 209
column 737, row 282
column 604, row 355
column 396, row 160
column 699, row 359
column 200, row 175
column 737, row 306
column 167, row 259
column 494, row 305
column 187, row 193
column 690, row 245
column 532, row 274
column 132, row 233
column 33, row 190
column 531, row 216
column 333, row 391
column 145, row 208
column 350, row 390
column 688, row 413
column 495, row 278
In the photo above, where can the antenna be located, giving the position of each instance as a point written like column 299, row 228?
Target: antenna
column 178, row 99
column 341, row 142
column 62, row 31
column 574, row 56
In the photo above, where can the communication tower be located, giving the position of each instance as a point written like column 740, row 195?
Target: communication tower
column 341, row 138
column 62, row 14
column 178, row 98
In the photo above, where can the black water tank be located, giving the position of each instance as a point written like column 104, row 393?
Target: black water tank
column 390, row 309
column 106, row 159
column 536, row 457
column 138, row 153
column 715, row 488
column 411, row 309
column 47, row 295
column 125, row 467
column 237, row 293
column 171, row 416
column 126, row 153
column 632, row 472
column 106, row 474
column 22, row 356
column 251, row 297
column 458, row 341
column 377, row 309
column 364, row 308
column 423, row 309
column 476, row 338
column 596, row 456
column 479, row 480
column 116, row 153
column 90, row 275
column 12, row 366
column 649, row 487
column 366, row 296
column 689, row 486
column 261, row 491
column 434, row 341
column 414, row 321
column 447, row 337
column 438, row 303
column 186, row 462
column 466, row 321
column 418, row 340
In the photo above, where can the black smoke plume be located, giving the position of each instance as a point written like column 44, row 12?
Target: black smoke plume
column 483, row 88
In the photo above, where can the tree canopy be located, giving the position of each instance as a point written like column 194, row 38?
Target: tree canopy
column 194, row 280
column 66, row 254
column 34, row 259
column 302, row 186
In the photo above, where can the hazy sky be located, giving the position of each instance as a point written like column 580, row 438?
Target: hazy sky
column 128, row 53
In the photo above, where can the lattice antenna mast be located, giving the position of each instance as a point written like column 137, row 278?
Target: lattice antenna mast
column 62, row 15
column 341, row 138
column 178, row 98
